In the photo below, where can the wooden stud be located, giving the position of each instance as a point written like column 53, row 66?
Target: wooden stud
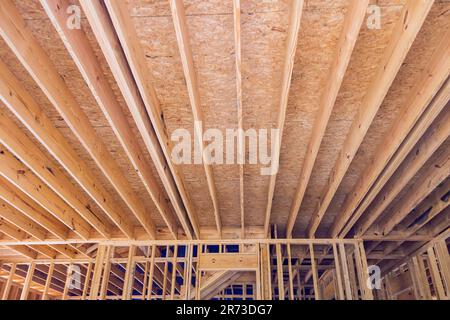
column 28, row 280
column 98, row 267
column 280, row 272
column 337, row 265
column 129, row 275
column 48, row 281
column 106, row 272
column 291, row 280
column 348, row 290
column 152, row 272
column 174, row 272
column 317, row 295
column 20, row 176
column 86, row 281
column 9, row 282
column 435, row 275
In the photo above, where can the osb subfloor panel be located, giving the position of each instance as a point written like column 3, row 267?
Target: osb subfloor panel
column 264, row 26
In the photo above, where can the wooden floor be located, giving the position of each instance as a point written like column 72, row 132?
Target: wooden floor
column 352, row 94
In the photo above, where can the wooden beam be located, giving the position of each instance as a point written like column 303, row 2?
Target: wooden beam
column 130, row 69
column 182, row 34
column 19, row 175
column 443, row 258
column 238, row 66
column 23, row 223
column 296, row 11
column 434, row 75
column 426, row 211
column 106, row 272
column 46, row 169
column 403, row 35
column 352, row 24
column 435, row 176
column 337, row 265
column 228, row 261
column 21, row 41
column 86, row 60
column 9, row 282
column 29, row 208
column 417, row 157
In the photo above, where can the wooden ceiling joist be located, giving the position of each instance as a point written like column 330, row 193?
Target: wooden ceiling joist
column 13, row 216
column 171, row 175
column 24, row 251
column 432, row 179
column 296, row 11
column 30, row 209
column 20, row 176
column 353, row 20
column 41, row 68
column 238, row 66
column 28, row 152
column 408, row 25
column 82, row 53
column 32, row 116
column 421, row 95
column 411, row 165
column 11, row 230
column 182, row 34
